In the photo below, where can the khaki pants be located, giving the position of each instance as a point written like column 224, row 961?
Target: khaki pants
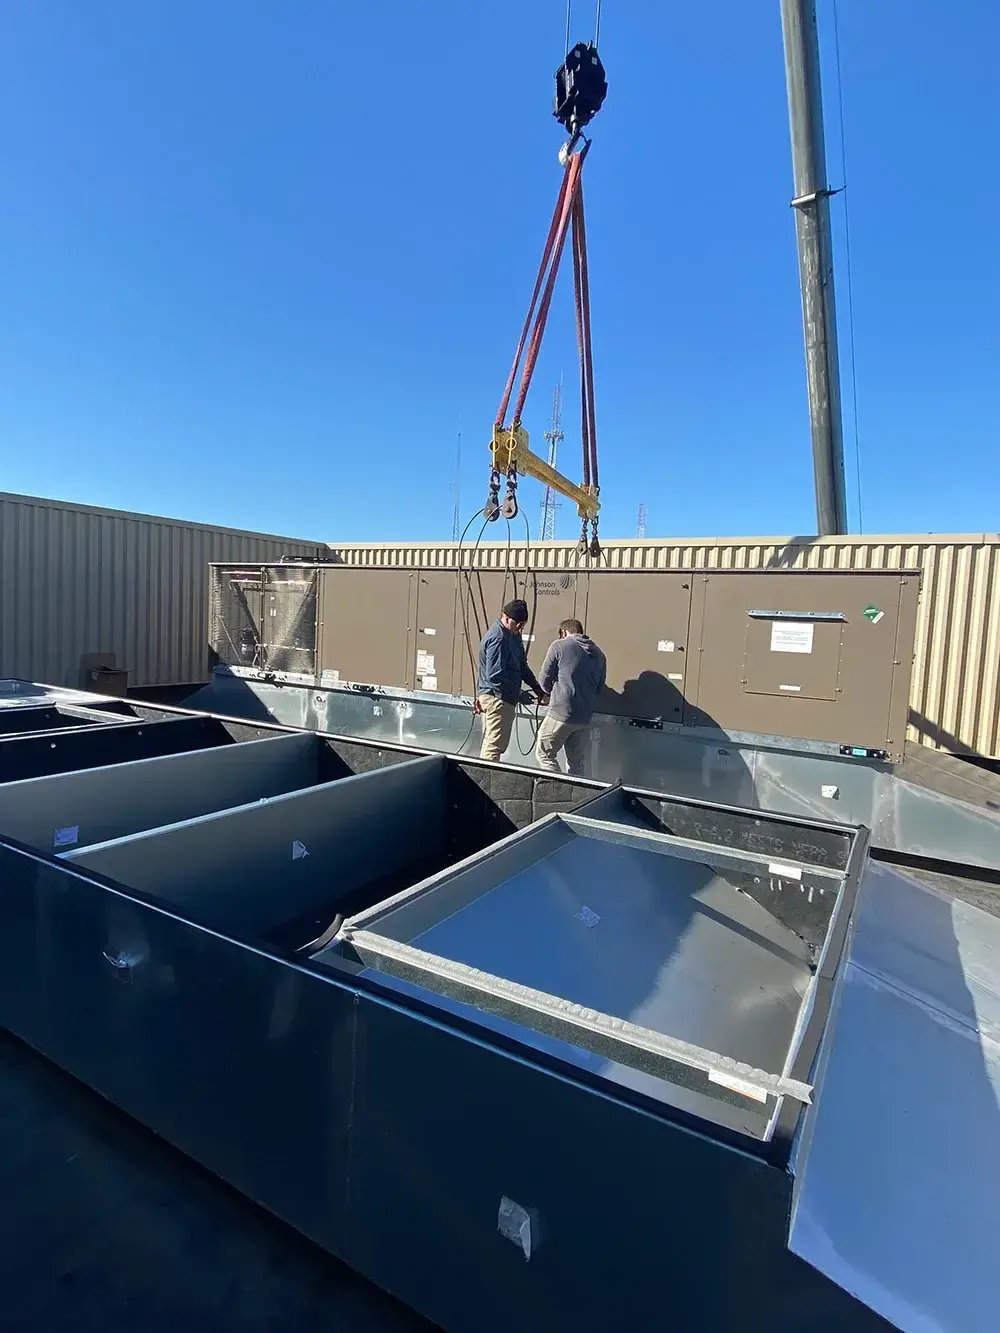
column 498, row 723
column 554, row 736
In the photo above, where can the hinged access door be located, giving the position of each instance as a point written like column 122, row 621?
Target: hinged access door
column 796, row 653
column 641, row 620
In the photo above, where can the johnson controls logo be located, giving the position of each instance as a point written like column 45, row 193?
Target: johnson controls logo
column 552, row 587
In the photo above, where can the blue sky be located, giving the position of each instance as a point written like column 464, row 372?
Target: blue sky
column 261, row 259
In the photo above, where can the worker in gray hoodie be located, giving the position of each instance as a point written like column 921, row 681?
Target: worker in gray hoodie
column 573, row 674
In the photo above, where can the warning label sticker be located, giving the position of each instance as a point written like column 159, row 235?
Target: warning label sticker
column 791, row 637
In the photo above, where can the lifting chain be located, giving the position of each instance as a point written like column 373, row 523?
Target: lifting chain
column 494, row 508
column 491, row 509
column 509, row 507
column 593, row 547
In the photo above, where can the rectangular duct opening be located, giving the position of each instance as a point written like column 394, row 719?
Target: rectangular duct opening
column 79, row 809
column 279, row 868
column 672, row 967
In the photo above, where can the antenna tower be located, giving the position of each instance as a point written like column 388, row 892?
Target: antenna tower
column 640, row 527
column 553, row 435
column 456, row 518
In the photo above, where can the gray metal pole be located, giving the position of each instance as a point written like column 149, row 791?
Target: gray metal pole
column 812, row 226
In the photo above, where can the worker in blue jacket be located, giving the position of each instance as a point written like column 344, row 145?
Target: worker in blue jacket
column 503, row 672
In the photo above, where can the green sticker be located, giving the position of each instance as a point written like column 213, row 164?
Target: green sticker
column 873, row 614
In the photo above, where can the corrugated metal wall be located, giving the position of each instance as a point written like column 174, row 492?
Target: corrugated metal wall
column 954, row 699
column 77, row 580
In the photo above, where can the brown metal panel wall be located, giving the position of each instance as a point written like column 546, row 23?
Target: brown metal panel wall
column 837, row 686
column 420, row 628
column 552, row 598
column 390, row 626
column 76, row 579
column 902, row 677
column 433, row 643
column 955, row 691
column 482, row 595
column 366, row 628
column 641, row 620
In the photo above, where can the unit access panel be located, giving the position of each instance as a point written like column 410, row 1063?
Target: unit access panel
column 640, row 618
column 810, row 654
column 365, row 621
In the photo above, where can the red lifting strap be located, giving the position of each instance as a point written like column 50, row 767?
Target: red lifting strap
column 581, row 289
column 568, row 213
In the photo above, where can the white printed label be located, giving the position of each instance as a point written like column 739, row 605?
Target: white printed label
column 425, row 663
column 791, row 638
column 780, row 871
column 428, row 682
column 66, row 837
column 527, row 638
column 739, row 1085
column 299, row 850
column 791, row 689
column 588, row 916
column 674, row 675
column 428, row 631
column 329, row 677
column 666, row 646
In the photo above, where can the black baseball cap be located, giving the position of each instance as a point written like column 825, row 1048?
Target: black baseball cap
column 517, row 610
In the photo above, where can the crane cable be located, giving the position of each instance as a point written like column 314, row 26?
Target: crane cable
column 597, row 22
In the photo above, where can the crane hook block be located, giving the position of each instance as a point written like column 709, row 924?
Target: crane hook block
column 581, row 87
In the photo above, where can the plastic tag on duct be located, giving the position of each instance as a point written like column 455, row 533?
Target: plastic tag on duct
column 514, row 1224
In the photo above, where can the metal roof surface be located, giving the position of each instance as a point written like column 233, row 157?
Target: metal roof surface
column 898, row 1196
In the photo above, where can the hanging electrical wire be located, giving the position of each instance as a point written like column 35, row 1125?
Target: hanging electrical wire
column 465, row 614
column 532, row 718
column 847, row 264
column 466, row 598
